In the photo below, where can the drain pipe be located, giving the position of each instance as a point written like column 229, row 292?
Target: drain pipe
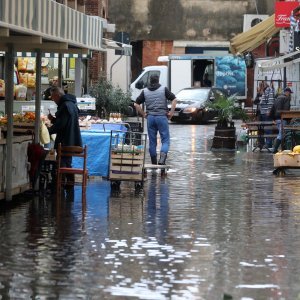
column 113, row 66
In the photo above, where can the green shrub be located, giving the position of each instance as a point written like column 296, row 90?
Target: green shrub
column 109, row 98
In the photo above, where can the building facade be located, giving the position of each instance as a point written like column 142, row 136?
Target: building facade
column 97, row 64
column 180, row 26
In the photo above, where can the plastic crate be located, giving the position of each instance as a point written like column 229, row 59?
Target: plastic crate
column 134, row 127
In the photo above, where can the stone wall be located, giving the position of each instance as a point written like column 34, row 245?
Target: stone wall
column 206, row 20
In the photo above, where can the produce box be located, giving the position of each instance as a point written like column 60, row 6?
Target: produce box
column 286, row 160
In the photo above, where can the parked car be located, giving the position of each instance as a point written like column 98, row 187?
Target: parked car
column 192, row 104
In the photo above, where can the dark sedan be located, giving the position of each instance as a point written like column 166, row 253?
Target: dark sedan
column 192, row 104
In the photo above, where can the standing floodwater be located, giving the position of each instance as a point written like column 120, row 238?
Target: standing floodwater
column 219, row 225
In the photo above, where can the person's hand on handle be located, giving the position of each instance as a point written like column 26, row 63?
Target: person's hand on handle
column 140, row 110
column 171, row 112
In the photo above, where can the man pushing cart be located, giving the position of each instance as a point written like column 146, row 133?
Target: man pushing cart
column 156, row 98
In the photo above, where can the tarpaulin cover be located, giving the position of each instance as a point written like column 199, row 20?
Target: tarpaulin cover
column 98, row 147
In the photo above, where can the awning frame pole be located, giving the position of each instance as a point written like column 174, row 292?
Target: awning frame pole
column 9, row 106
column 38, row 96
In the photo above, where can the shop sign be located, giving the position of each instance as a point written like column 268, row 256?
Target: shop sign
column 283, row 11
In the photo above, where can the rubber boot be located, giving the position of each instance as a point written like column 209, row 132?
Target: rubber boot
column 162, row 159
column 276, row 146
column 154, row 160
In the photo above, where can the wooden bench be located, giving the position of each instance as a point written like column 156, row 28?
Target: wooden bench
column 257, row 131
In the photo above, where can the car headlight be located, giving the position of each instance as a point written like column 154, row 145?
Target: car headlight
column 189, row 110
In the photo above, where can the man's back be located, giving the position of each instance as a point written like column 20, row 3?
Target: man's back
column 281, row 103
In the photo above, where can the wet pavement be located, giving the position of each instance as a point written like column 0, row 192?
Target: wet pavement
column 220, row 225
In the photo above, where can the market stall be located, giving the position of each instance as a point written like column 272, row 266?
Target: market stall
column 20, row 165
column 29, row 34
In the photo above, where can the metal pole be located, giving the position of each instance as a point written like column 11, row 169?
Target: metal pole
column 38, row 96
column 9, row 106
column 78, row 82
column 60, row 70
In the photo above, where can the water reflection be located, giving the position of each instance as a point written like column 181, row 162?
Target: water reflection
column 157, row 207
column 218, row 224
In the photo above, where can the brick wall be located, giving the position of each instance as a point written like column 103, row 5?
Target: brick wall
column 153, row 49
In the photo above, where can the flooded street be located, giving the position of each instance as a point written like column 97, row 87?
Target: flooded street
column 219, row 225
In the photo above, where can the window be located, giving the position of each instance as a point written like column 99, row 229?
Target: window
column 145, row 80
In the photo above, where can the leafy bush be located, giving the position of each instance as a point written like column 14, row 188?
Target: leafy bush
column 227, row 110
column 109, row 98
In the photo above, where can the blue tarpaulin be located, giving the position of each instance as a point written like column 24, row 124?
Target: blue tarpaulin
column 98, row 143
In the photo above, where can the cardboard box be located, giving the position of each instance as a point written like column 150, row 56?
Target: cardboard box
column 286, row 160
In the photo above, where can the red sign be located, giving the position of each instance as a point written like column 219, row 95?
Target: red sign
column 283, row 12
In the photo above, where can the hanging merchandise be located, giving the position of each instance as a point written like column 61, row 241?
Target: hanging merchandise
column 30, row 65
column 293, row 23
column 2, row 88
column 31, row 80
column 22, row 64
column 21, row 91
column 26, row 67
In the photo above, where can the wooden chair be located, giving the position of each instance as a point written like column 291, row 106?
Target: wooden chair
column 71, row 151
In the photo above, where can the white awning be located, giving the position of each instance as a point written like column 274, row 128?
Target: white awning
column 279, row 63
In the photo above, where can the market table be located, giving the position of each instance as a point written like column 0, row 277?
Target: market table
column 288, row 115
column 107, row 127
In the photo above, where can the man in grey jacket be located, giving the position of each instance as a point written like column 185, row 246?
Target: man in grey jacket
column 156, row 99
column 283, row 102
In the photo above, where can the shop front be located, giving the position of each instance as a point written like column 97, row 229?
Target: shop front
column 49, row 40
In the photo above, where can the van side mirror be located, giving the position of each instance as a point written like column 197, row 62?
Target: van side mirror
column 139, row 85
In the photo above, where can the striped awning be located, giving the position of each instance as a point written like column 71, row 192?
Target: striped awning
column 254, row 37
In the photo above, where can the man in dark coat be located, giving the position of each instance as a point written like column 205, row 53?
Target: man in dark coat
column 65, row 122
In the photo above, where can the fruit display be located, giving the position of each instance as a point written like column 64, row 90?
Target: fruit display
column 296, row 149
column 27, row 117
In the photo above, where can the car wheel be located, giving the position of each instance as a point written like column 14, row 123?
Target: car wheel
column 200, row 118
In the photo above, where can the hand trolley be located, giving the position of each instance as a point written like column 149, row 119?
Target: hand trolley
column 127, row 158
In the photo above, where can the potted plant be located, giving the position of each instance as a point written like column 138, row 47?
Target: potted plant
column 225, row 131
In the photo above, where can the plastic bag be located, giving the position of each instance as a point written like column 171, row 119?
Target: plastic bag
column 44, row 134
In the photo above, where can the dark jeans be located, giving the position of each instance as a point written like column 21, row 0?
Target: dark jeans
column 158, row 124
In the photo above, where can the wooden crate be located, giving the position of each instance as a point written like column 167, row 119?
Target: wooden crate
column 126, row 166
column 286, row 160
column 129, row 176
